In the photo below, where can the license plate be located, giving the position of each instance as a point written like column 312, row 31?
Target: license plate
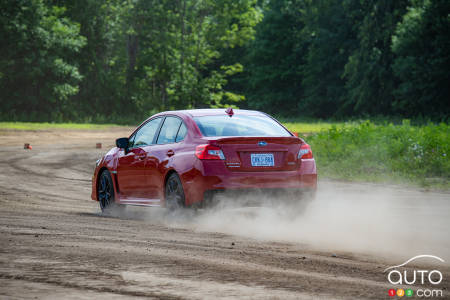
column 262, row 160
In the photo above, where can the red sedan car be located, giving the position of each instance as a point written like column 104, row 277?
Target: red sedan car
column 177, row 158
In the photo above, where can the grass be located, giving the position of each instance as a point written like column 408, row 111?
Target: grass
column 358, row 151
column 306, row 128
column 301, row 127
column 48, row 126
column 385, row 153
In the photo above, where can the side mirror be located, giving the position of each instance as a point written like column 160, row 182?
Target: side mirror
column 122, row 143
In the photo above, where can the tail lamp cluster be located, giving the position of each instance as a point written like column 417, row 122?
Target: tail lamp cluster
column 209, row 152
column 305, row 152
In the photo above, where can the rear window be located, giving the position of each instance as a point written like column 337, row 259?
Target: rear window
column 223, row 125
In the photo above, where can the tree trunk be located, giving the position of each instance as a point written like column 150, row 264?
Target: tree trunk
column 163, row 92
column 132, row 50
column 182, row 17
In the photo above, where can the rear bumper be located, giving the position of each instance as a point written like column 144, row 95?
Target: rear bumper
column 214, row 175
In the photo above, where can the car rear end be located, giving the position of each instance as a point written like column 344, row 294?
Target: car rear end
column 251, row 151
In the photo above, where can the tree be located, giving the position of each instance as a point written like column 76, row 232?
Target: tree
column 121, row 60
column 179, row 44
column 36, row 75
column 422, row 45
column 274, row 61
column 369, row 76
column 102, row 61
column 331, row 38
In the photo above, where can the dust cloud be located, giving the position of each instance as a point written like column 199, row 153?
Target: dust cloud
column 391, row 222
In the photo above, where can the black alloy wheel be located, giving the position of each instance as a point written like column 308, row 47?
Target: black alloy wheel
column 106, row 192
column 174, row 193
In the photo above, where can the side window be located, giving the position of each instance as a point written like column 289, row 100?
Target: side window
column 181, row 133
column 169, row 130
column 146, row 133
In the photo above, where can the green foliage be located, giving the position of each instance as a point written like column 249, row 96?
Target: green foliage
column 122, row 60
column 331, row 58
column 49, row 126
column 422, row 45
column 385, row 152
column 369, row 77
column 102, row 61
column 273, row 76
column 363, row 150
column 117, row 60
column 305, row 129
column 37, row 74
column 177, row 45
column 331, row 38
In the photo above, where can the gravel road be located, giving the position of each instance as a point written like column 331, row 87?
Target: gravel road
column 56, row 244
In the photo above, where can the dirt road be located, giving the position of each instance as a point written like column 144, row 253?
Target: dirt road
column 54, row 243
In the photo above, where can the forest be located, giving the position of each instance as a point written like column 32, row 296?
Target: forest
column 120, row 61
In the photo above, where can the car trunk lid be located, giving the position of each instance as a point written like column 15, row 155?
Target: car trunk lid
column 253, row 154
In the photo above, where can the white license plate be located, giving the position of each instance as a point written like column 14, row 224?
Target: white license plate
column 262, row 160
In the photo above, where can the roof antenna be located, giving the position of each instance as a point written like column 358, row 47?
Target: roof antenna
column 230, row 111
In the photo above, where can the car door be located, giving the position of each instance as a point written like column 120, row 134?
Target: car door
column 131, row 168
column 159, row 154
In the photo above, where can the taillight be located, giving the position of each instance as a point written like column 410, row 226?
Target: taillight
column 305, row 152
column 208, row 152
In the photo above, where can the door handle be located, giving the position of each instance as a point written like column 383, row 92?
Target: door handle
column 141, row 156
column 170, row 153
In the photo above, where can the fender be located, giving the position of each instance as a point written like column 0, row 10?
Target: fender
column 109, row 162
column 112, row 159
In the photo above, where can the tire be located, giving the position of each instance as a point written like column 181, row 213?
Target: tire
column 174, row 193
column 106, row 196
